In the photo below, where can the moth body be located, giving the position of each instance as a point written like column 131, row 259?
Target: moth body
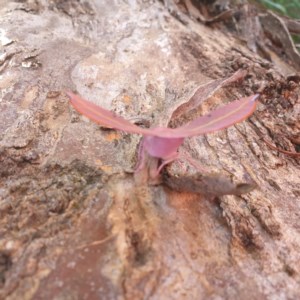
column 164, row 148
column 162, row 143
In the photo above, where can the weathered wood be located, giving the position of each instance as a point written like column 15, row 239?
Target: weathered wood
column 73, row 222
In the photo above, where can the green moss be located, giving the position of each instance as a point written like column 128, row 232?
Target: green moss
column 290, row 8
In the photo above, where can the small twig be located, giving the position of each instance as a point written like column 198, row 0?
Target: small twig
column 96, row 243
column 281, row 150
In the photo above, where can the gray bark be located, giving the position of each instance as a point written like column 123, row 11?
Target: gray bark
column 73, row 222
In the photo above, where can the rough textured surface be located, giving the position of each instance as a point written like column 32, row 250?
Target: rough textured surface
column 74, row 225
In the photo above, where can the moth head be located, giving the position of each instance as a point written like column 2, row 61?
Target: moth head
column 163, row 148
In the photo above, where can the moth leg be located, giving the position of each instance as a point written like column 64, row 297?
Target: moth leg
column 165, row 162
column 184, row 155
column 141, row 162
column 153, row 169
column 141, row 171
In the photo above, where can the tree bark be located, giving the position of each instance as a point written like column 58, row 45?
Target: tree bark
column 74, row 224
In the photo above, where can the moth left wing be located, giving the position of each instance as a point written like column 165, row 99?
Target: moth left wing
column 103, row 116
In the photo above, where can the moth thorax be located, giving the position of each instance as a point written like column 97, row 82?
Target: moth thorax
column 159, row 147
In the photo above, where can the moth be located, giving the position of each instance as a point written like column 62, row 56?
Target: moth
column 161, row 143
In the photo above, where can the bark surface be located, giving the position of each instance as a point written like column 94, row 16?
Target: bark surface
column 73, row 222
